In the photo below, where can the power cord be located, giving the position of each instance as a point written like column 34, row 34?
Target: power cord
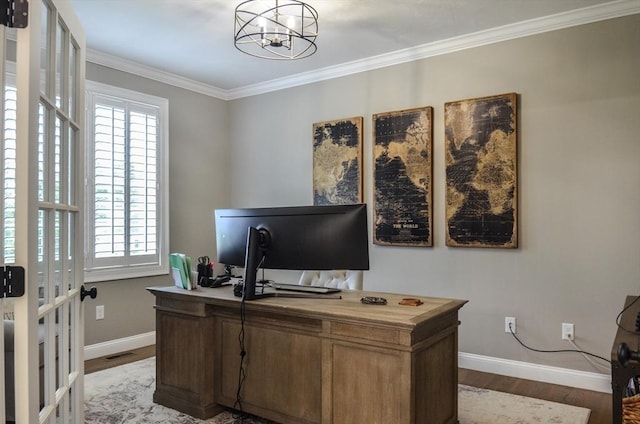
column 620, row 314
column 242, row 371
column 556, row 351
column 588, row 359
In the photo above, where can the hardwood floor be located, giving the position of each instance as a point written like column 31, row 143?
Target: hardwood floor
column 598, row 403
column 98, row 364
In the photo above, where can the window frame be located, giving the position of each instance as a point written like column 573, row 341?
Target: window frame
column 122, row 268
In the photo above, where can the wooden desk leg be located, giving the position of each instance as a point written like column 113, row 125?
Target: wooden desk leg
column 617, row 406
column 619, row 379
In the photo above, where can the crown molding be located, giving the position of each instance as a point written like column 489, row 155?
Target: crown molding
column 555, row 22
column 135, row 68
column 495, row 35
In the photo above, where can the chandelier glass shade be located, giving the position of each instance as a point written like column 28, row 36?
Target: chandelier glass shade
column 276, row 29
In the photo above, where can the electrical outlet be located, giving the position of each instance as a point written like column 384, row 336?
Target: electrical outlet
column 567, row 331
column 100, row 312
column 509, row 321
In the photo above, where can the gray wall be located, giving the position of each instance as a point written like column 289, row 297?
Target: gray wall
column 198, row 168
column 579, row 182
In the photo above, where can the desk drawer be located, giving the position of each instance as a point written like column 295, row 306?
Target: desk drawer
column 183, row 307
column 366, row 332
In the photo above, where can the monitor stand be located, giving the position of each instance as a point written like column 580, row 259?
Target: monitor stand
column 239, row 291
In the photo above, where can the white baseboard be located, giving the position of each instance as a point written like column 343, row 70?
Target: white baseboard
column 543, row 373
column 119, row 345
column 529, row 371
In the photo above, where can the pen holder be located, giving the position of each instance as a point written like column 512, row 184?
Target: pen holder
column 205, row 272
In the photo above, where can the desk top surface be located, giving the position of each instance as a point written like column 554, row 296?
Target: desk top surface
column 348, row 307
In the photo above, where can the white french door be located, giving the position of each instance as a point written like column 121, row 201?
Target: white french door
column 49, row 330
column 3, row 415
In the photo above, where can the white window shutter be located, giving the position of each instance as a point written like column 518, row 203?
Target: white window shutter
column 127, row 213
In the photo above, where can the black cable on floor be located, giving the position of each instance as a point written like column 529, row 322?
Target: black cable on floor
column 556, row 351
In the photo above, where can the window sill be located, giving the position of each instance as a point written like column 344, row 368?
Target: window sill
column 96, row 276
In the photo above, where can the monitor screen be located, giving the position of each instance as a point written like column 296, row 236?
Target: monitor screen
column 295, row 238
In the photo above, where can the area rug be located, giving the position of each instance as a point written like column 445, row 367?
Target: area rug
column 124, row 395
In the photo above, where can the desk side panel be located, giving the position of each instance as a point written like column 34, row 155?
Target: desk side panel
column 184, row 362
column 436, row 379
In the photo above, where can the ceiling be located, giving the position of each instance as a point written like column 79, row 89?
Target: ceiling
column 193, row 39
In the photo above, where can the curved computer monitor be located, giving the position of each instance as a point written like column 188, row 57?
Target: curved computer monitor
column 297, row 238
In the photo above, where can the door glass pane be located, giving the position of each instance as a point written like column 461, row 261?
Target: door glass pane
column 62, row 337
column 57, row 170
column 72, row 141
column 60, row 74
column 73, row 79
column 43, row 120
column 59, row 365
column 71, row 248
column 72, row 358
column 64, row 415
column 57, row 254
column 45, row 17
column 60, row 413
column 45, row 361
column 72, row 334
column 9, row 177
column 43, row 292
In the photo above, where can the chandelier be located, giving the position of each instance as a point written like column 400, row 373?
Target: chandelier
column 273, row 29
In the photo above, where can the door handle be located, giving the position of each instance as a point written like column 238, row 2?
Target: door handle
column 92, row 293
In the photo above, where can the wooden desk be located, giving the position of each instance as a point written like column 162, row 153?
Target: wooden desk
column 620, row 375
column 308, row 360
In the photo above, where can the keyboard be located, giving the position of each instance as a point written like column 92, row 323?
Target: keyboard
column 306, row 289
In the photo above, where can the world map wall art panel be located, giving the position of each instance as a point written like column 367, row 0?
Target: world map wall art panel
column 403, row 175
column 481, row 172
column 337, row 162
